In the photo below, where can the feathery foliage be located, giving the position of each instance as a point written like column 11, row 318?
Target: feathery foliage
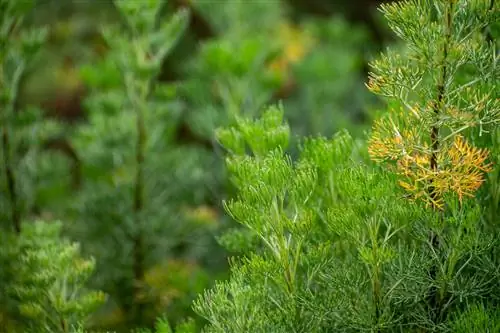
column 135, row 210
column 43, row 276
column 334, row 242
column 443, row 88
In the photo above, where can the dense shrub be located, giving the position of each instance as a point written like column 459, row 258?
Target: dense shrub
column 334, row 242
column 115, row 123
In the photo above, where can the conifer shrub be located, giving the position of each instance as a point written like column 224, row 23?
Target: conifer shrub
column 43, row 277
column 237, row 72
column 46, row 280
column 399, row 233
column 396, row 234
column 142, row 209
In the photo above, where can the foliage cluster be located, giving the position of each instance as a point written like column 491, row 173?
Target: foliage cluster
column 342, row 244
column 336, row 233
column 43, row 275
column 142, row 203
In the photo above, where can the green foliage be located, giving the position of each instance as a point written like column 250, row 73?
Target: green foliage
column 331, row 242
column 162, row 326
column 330, row 88
column 18, row 49
column 138, row 179
column 341, row 248
column 437, row 136
column 312, row 66
column 232, row 16
column 327, row 240
column 43, row 277
column 477, row 318
column 297, row 210
column 446, row 94
column 47, row 277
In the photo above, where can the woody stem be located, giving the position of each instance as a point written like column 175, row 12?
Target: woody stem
column 434, row 298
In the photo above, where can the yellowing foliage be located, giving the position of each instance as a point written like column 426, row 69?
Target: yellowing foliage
column 461, row 165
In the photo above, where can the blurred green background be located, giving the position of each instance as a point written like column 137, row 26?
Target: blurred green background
column 236, row 57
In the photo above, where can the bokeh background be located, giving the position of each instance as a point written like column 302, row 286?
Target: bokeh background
column 237, row 56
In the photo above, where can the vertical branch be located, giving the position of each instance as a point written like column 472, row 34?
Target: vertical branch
column 138, row 207
column 435, row 299
column 11, row 180
column 375, row 274
column 138, row 195
column 441, row 90
column 7, row 149
column 64, row 325
column 376, row 285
